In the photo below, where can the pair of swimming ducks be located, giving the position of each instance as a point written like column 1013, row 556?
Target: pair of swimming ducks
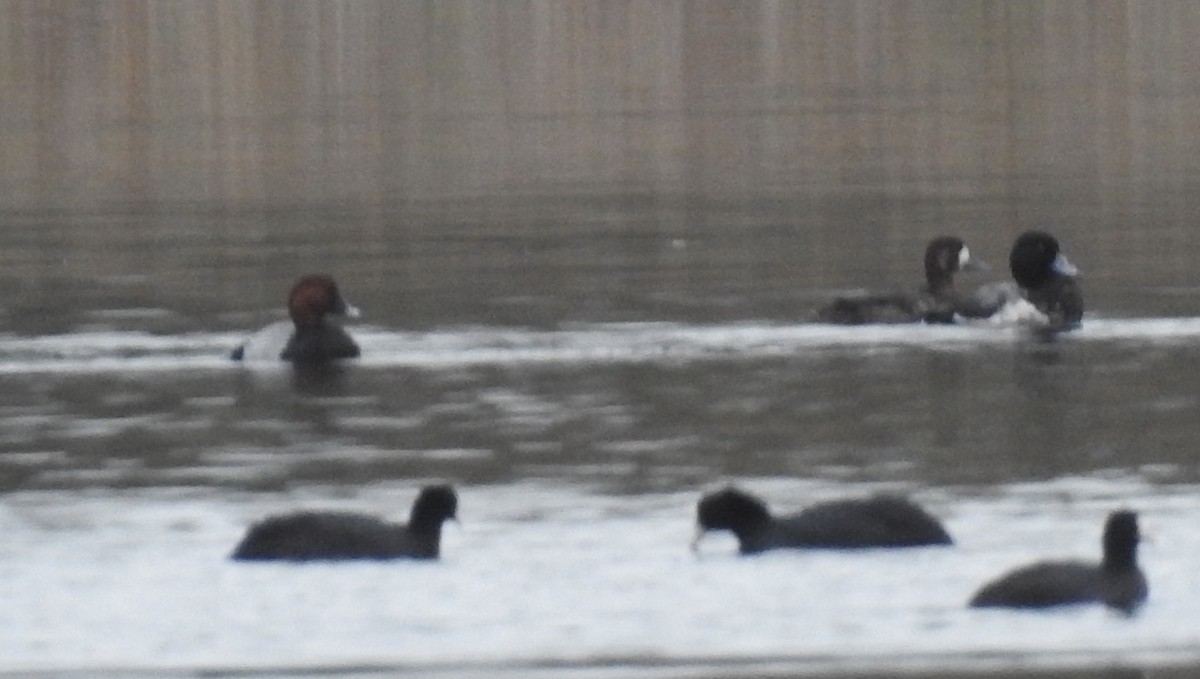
column 881, row 521
column 1043, row 285
column 1044, row 292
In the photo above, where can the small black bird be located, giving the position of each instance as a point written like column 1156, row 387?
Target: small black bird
column 878, row 521
column 1116, row 581
column 311, row 536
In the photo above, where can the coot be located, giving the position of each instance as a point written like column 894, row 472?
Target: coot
column 316, row 535
column 877, row 521
column 1116, row 581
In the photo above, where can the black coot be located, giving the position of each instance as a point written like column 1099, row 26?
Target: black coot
column 308, row 536
column 1116, row 581
column 878, row 521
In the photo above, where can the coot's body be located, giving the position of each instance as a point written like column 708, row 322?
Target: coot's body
column 309, row 535
column 1116, row 581
column 879, row 521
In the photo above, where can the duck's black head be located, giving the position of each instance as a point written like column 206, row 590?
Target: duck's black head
column 945, row 256
column 1035, row 260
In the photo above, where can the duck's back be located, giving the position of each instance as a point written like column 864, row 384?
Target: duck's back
column 882, row 521
column 324, row 342
column 872, row 308
column 330, row 535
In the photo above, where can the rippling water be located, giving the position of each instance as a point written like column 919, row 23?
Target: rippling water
column 133, row 454
column 565, row 573
column 133, row 462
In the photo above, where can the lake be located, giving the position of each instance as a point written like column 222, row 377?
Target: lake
column 582, row 370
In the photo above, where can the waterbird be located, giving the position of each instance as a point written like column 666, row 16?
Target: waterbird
column 876, row 521
column 1116, row 581
column 1047, row 278
column 329, row 535
column 936, row 302
column 1044, row 291
column 311, row 338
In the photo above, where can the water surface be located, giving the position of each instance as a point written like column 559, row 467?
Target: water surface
column 580, row 437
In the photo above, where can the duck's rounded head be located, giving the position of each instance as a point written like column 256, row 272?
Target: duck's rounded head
column 945, row 256
column 1035, row 259
column 313, row 297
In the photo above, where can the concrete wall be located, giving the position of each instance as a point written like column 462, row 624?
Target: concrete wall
column 279, row 102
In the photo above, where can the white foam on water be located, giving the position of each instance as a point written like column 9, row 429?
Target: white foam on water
column 599, row 343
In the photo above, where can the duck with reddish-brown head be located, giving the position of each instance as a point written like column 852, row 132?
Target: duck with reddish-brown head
column 311, row 337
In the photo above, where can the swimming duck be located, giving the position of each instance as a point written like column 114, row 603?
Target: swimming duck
column 1047, row 278
column 313, row 535
column 1116, row 581
column 878, row 521
column 309, row 338
column 1044, row 292
column 936, row 302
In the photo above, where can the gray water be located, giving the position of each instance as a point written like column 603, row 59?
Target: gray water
column 582, row 371
column 587, row 238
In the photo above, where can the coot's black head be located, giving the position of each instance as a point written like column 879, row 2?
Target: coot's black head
column 1035, row 260
column 946, row 255
column 730, row 509
column 434, row 505
column 1121, row 538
